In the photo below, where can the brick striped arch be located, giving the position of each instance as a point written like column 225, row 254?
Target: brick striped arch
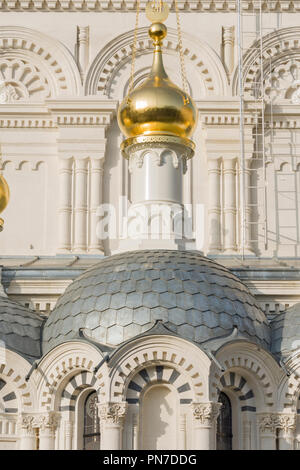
column 8, row 398
column 159, row 374
column 238, row 384
column 73, row 388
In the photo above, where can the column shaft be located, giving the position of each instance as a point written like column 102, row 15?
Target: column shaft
column 65, row 204
column 229, row 173
column 96, row 189
column 214, row 211
column 80, row 210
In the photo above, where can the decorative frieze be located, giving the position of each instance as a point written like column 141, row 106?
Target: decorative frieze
column 213, row 6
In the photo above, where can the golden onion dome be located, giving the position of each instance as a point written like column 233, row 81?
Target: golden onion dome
column 157, row 106
column 4, row 193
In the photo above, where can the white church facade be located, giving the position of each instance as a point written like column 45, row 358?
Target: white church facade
column 111, row 339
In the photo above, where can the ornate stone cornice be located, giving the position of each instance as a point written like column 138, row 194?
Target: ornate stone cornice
column 269, row 422
column 112, row 413
column 90, row 112
column 130, row 5
column 206, row 413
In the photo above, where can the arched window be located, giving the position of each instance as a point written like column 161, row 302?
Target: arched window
column 224, row 424
column 91, row 429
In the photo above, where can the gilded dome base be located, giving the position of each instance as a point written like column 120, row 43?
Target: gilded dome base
column 132, row 144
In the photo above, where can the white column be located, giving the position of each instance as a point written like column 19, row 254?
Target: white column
column 156, row 216
column 80, row 209
column 267, row 431
column 135, row 431
column 286, row 423
column 204, row 419
column 112, row 416
column 214, row 211
column 68, row 432
column 47, row 425
column 228, row 48
column 229, row 172
column 65, row 204
column 27, row 432
column 182, row 432
column 96, row 191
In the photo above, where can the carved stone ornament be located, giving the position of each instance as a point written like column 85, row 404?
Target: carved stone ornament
column 272, row 421
column 112, row 413
column 136, row 159
column 8, row 93
column 44, row 421
column 206, row 413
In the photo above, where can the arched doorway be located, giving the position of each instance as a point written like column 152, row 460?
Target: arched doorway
column 91, row 427
column 224, row 424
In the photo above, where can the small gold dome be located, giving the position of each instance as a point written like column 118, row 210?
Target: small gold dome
column 157, row 106
column 4, row 193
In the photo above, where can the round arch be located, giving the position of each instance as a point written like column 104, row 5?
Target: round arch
column 278, row 48
column 104, row 75
column 49, row 64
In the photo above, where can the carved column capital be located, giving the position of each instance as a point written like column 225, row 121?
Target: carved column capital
column 47, row 421
column 112, row 413
column 269, row 422
column 43, row 421
column 206, row 414
column 26, row 423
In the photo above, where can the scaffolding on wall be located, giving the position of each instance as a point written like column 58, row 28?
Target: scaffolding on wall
column 253, row 29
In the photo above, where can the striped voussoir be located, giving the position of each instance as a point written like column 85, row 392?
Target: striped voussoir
column 8, row 399
column 73, row 388
column 159, row 374
column 237, row 383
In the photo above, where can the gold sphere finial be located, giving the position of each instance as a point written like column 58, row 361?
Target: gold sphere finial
column 157, row 32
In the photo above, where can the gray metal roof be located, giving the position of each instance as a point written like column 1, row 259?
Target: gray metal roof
column 286, row 331
column 20, row 329
column 125, row 294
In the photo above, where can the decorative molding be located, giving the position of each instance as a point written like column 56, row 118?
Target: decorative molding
column 136, row 158
column 112, row 413
column 212, row 6
column 278, row 47
column 42, row 66
column 102, row 74
column 206, row 414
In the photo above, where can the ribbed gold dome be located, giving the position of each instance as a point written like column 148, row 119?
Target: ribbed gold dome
column 157, row 106
column 4, row 193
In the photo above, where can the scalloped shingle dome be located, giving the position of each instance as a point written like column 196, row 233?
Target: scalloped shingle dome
column 286, row 331
column 20, row 329
column 125, row 294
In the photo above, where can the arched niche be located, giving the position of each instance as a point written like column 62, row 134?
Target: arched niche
column 280, row 67
column 110, row 71
column 158, row 418
column 34, row 66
